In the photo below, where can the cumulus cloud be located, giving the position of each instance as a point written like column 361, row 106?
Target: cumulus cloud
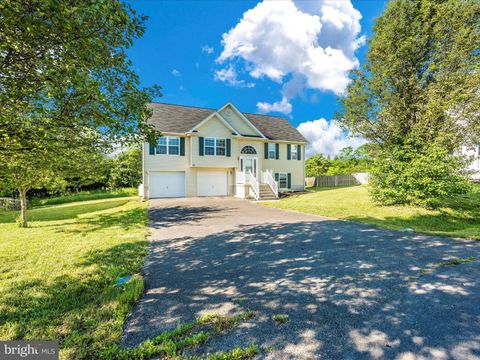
column 327, row 138
column 311, row 42
column 176, row 72
column 207, row 49
column 229, row 75
column 282, row 106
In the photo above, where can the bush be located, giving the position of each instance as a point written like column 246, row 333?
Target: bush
column 418, row 175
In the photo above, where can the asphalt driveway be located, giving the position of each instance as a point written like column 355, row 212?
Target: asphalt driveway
column 350, row 291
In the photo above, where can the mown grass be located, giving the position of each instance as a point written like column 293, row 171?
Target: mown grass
column 83, row 196
column 57, row 277
column 458, row 217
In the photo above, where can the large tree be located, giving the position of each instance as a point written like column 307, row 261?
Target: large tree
column 66, row 86
column 64, row 69
column 417, row 98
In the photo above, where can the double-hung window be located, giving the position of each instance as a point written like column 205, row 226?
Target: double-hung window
column 293, row 152
column 168, row 145
column 272, row 151
column 214, row 147
column 282, row 180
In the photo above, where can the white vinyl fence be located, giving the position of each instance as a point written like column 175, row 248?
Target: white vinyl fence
column 9, row 204
column 341, row 180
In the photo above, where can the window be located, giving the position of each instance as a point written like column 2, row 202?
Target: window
column 168, row 145
column 293, row 152
column 214, row 146
column 282, row 181
column 272, row 151
column 248, row 150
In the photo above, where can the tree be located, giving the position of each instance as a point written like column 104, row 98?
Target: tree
column 316, row 165
column 24, row 171
column 126, row 170
column 64, row 69
column 66, row 87
column 418, row 95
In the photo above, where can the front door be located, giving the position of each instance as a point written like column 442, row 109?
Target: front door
column 249, row 163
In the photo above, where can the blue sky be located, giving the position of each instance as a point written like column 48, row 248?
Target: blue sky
column 182, row 51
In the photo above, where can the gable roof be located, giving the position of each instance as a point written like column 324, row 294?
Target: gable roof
column 172, row 118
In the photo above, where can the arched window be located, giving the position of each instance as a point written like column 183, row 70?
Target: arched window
column 248, row 150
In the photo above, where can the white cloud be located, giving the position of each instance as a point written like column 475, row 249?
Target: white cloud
column 207, row 49
column 312, row 41
column 282, row 106
column 175, row 72
column 327, row 138
column 229, row 75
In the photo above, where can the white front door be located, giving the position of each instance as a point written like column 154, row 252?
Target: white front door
column 249, row 163
column 212, row 183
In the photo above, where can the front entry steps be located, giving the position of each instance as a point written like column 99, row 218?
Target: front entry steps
column 266, row 193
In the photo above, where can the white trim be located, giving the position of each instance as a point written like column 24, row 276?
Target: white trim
column 168, row 137
column 214, row 146
column 293, row 146
column 243, row 117
column 286, row 180
column 209, row 117
column 275, row 149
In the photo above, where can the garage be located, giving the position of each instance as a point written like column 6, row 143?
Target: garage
column 212, row 183
column 166, row 184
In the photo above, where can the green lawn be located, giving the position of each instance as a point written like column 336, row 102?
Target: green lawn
column 460, row 217
column 83, row 196
column 57, row 277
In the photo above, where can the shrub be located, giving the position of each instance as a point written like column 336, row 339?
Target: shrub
column 419, row 175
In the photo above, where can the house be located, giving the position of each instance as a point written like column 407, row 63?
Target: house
column 208, row 152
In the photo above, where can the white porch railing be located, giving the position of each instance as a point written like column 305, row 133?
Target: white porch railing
column 254, row 184
column 267, row 178
column 240, row 177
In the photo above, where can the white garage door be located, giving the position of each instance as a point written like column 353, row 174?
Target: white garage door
column 212, row 183
column 164, row 184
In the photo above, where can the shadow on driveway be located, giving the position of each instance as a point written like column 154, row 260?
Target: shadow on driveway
column 349, row 290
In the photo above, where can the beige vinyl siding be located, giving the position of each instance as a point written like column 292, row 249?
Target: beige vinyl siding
column 214, row 128
column 237, row 122
column 282, row 165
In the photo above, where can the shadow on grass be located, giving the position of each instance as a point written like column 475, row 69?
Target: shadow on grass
column 456, row 217
column 67, row 212
column 84, row 311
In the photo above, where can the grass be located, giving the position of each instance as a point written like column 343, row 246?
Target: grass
column 83, row 196
column 171, row 344
column 280, row 318
column 57, row 277
column 222, row 323
column 451, row 262
column 457, row 261
column 58, row 282
column 459, row 217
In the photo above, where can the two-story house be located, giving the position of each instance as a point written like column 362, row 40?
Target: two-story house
column 208, row 152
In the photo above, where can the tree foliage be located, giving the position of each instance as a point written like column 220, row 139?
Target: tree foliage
column 417, row 97
column 349, row 161
column 67, row 89
column 126, row 169
column 64, row 69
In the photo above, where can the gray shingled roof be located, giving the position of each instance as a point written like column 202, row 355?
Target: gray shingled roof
column 180, row 119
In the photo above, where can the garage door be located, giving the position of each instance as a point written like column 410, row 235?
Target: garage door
column 212, row 183
column 166, row 184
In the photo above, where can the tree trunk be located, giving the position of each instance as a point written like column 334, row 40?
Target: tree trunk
column 23, row 204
